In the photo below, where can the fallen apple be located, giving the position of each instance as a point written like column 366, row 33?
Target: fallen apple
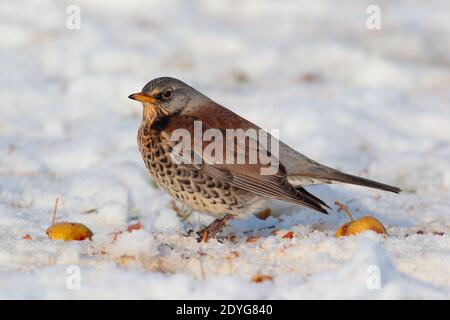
column 67, row 231
column 360, row 225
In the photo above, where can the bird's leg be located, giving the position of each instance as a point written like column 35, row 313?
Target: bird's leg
column 211, row 230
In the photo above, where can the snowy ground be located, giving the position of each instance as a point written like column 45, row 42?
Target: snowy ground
column 372, row 102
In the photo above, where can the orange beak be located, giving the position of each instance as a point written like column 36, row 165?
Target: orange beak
column 142, row 97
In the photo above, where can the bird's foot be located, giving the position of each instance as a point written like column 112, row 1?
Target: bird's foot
column 211, row 230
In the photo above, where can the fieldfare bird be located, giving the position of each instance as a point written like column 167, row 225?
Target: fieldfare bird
column 206, row 182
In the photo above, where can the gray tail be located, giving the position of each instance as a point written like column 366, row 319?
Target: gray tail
column 331, row 175
column 351, row 179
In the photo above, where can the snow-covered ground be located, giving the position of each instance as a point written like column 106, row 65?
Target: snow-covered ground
column 371, row 102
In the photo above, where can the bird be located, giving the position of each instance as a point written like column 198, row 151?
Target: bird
column 208, row 184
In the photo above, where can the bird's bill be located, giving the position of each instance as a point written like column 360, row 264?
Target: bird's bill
column 142, row 97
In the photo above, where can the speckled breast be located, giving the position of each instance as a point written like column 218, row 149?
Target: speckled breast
column 192, row 187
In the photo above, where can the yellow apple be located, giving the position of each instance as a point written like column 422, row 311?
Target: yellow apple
column 69, row 231
column 360, row 225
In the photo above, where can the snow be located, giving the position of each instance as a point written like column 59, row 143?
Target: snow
column 371, row 102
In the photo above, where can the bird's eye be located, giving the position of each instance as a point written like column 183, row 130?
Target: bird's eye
column 167, row 94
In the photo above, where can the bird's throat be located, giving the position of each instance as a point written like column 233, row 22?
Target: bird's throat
column 150, row 113
column 154, row 118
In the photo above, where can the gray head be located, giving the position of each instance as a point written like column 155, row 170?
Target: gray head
column 169, row 95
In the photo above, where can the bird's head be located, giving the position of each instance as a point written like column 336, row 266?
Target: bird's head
column 166, row 96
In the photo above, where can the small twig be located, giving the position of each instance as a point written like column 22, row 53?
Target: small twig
column 54, row 211
column 346, row 203
column 344, row 207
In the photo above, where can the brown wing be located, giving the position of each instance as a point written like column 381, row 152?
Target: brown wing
column 245, row 176
column 300, row 169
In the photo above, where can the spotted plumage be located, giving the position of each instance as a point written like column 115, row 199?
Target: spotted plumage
column 188, row 185
column 218, row 188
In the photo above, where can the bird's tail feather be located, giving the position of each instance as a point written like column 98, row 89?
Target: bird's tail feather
column 330, row 175
column 351, row 179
